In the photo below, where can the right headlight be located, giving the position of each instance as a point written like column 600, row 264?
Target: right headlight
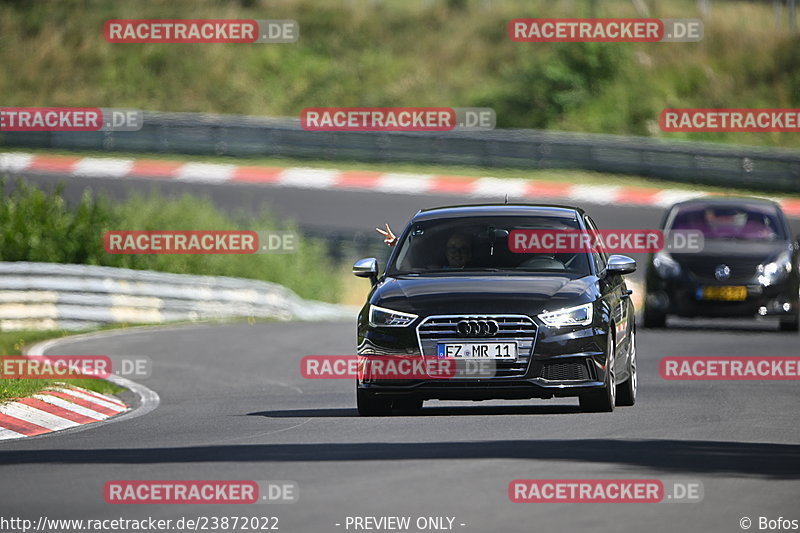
column 380, row 316
column 776, row 271
column 571, row 316
column 665, row 265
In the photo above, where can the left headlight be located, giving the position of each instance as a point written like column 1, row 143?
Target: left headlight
column 572, row 316
column 380, row 316
column 776, row 271
column 665, row 265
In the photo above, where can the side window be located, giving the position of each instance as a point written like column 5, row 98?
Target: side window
column 599, row 256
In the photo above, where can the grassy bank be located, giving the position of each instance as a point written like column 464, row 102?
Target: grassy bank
column 417, row 53
column 13, row 342
column 39, row 226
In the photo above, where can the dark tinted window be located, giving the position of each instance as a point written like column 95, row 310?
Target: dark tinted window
column 729, row 222
column 481, row 244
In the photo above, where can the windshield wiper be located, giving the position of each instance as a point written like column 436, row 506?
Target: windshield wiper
column 442, row 271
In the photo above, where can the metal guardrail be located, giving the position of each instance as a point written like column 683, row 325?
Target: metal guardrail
column 71, row 297
column 243, row 136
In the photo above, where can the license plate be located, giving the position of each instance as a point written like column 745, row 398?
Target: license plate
column 734, row 293
column 483, row 350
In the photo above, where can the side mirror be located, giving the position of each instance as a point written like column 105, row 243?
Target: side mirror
column 367, row 268
column 620, row 264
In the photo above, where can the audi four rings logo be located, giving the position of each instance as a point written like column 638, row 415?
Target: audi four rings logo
column 478, row 328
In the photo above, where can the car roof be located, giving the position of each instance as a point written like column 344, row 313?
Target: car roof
column 738, row 201
column 517, row 209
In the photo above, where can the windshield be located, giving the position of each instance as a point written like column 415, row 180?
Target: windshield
column 730, row 222
column 480, row 244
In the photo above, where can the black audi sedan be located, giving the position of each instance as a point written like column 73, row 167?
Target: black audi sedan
column 748, row 266
column 551, row 324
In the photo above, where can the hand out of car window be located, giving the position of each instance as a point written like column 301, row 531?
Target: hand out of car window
column 388, row 237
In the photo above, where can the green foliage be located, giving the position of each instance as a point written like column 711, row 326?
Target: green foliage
column 36, row 226
column 543, row 89
column 393, row 52
column 13, row 342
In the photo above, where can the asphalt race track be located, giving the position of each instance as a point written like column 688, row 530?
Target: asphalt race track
column 314, row 208
column 234, row 406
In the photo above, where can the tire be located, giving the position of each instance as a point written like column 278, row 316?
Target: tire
column 791, row 325
column 626, row 392
column 409, row 404
column 603, row 400
column 370, row 405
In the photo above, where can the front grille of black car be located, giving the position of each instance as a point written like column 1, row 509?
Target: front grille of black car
column 518, row 328
column 742, row 270
column 564, row 370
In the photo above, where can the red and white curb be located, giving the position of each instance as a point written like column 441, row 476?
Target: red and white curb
column 54, row 409
column 361, row 180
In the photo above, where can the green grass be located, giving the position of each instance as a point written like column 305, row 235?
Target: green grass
column 13, row 343
column 408, row 53
column 581, row 177
column 42, row 227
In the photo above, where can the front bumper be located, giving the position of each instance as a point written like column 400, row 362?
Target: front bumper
column 681, row 297
column 558, row 363
column 484, row 389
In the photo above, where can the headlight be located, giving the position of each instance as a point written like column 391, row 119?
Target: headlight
column 572, row 316
column 776, row 271
column 666, row 266
column 380, row 316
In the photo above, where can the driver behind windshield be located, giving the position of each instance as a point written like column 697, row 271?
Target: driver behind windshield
column 458, row 251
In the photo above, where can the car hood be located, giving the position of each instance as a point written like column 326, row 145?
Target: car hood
column 736, row 250
column 467, row 294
